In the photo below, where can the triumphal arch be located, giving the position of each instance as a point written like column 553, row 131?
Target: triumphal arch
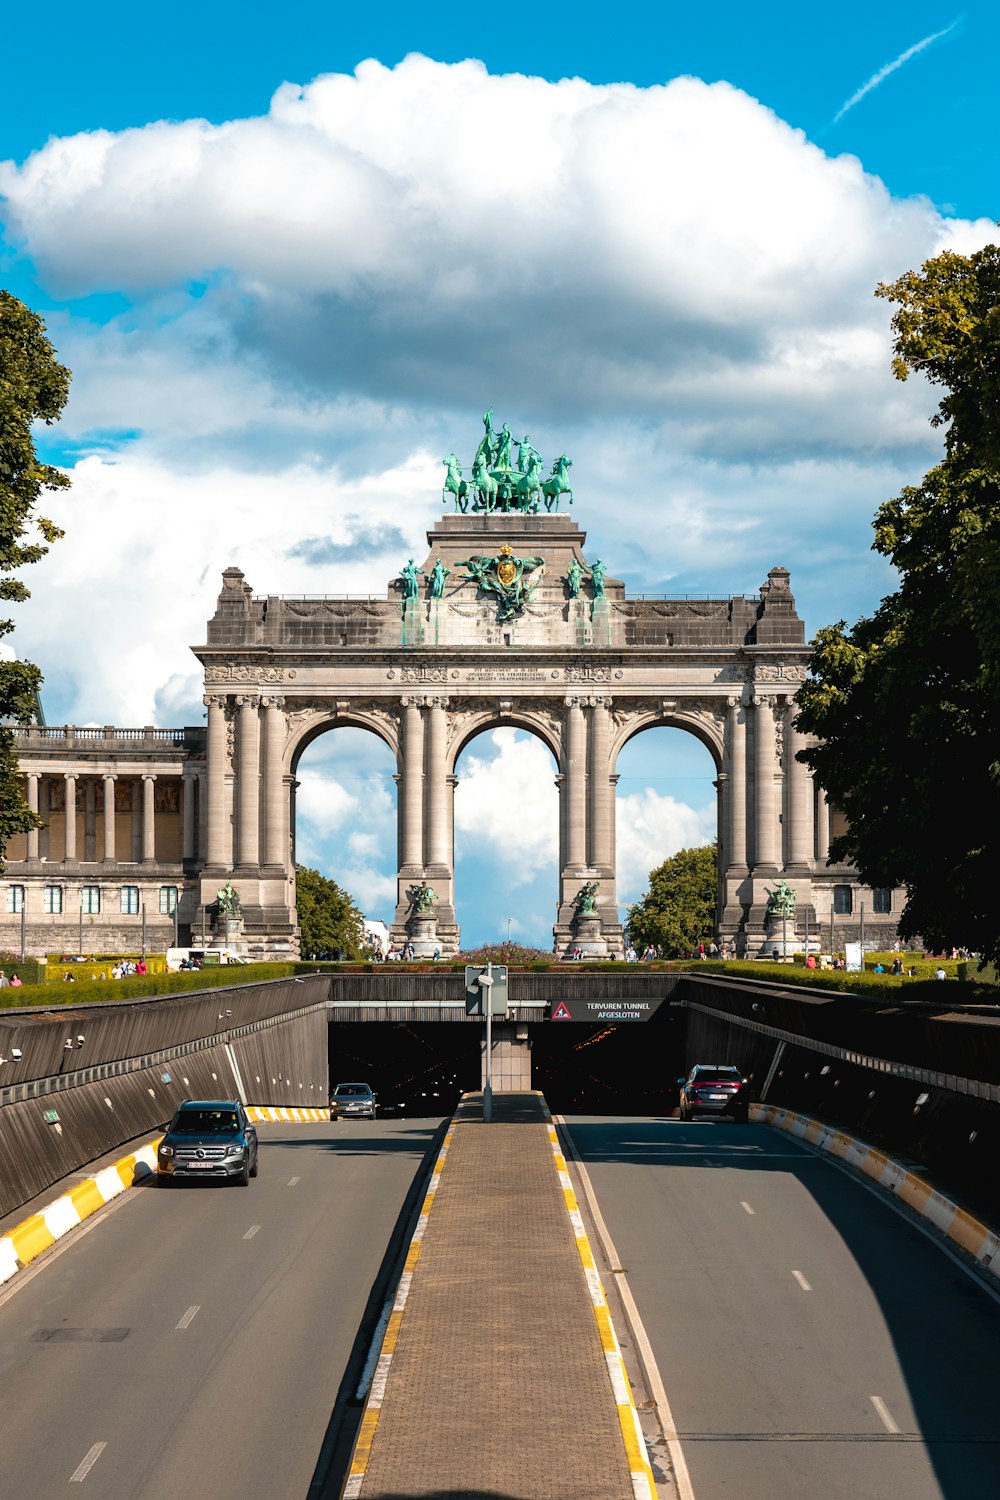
column 508, row 620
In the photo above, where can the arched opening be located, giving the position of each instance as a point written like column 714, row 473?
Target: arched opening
column 344, row 816
column 506, row 838
column 666, row 801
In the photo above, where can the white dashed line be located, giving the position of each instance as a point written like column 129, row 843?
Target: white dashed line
column 292, row 1181
column 885, row 1416
column 79, row 1474
column 254, row 1228
column 803, row 1283
column 747, row 1209
column 189, row 1316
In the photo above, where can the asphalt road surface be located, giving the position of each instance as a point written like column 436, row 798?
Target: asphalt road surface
column 191, row 1343
column 811, row 1342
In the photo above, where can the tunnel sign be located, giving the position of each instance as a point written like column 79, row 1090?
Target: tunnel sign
column 613, row 1011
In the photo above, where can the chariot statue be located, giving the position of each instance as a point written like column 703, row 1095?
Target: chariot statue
column 229, row 902
column 422, row 898
column 780, row 901
column 585, row 900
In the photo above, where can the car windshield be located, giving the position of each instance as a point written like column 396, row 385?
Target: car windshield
column 206, row 1122
column 352, row 1090
column 716, row 1075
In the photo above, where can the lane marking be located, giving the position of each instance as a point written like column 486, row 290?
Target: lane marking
column 293, row 1180
column 884, row 1414
column 803, row 1283
column 251, row 1231
column 747, row 1209
column 909, row 1216
column 80, row 1473
column 189, row 1316
column 636, row 1451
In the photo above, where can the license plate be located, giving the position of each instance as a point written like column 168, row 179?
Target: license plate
column 718, row 1098
column 201, row 1166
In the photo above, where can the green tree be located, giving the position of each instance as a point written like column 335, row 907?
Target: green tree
column 905, row 703
column 33, row 388
column 328, row 919
column 678, row 911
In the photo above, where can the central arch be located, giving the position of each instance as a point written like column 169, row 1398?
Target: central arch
column 506, row 833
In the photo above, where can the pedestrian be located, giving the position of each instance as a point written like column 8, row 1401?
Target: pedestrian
column 15, row 981
column 811, row 961
column 4, row 981
column 940, row 974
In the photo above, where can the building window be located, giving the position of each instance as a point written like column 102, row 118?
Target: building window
column 15, row 898
column 130, row 900
column 90, row 899
column 882, row 900
column 843, row 902
column 52, row 899
column 168, row 900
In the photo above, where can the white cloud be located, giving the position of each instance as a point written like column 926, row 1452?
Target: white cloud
column 649, row 828
column 506, row 802
column 588, row 248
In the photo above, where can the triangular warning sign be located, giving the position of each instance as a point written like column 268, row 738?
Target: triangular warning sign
column 560, row 1012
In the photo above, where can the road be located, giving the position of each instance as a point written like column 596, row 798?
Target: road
column 201, row 1334
column 811, row 1341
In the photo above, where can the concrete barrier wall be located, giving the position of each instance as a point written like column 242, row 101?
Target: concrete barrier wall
column 283, row 1062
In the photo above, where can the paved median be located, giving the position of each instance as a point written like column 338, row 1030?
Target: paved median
column 499, row 1372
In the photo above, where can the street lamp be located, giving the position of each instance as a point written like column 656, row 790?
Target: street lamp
column 509, row 920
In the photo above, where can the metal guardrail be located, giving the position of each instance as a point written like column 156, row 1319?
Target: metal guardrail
column 973, row 1087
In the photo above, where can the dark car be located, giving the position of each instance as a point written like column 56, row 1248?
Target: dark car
column 353, row 1100
column 210, row 1138
column 714, row 1089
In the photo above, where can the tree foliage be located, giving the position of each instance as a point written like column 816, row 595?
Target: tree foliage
column 678, row 911
column 905, row 703
column 33, row 388
column 329, row 921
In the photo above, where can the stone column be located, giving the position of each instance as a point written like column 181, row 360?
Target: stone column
column 188, row 780
column 248, row 786
column 601, row 856
column 413, row 786
column 765, row 832
column 215, row 835
column 148, row 820
column 437, row 783
column 822, row 828
column 452, row 784
column 275, row 847
column 574, row 786
column 109, row 819
column 800, row 832
column 69, row 845
column 32, row 807
column 735, row 856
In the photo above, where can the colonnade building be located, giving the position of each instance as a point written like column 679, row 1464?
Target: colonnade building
column 506, row 622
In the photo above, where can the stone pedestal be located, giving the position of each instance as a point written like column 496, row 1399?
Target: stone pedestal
column 589, row 937
column 423, row 936
column 229, row 935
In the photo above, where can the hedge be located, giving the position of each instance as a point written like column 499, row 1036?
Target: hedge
column 89, row 992
column 876, row 986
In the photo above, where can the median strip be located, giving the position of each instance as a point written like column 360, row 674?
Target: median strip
column 643, row 1486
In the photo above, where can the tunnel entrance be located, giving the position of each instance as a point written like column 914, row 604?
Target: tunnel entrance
column 609, row 1070
column 420, row 1068
column 415, row 1067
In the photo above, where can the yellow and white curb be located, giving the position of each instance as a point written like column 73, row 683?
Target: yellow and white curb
column 23, row 1244
column 982, row 1243
column 376, row 1394
column 643, row 1486
column 278, row 1114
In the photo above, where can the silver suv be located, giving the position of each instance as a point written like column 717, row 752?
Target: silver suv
column 353, row 1100
column 208, row 1138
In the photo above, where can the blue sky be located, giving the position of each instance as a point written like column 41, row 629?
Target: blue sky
column 287, row 280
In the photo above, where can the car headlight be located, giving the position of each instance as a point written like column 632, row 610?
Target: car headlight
column 166, row 1150
column 235, row 1150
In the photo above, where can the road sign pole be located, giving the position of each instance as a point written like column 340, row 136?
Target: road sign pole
column 488, row 1081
